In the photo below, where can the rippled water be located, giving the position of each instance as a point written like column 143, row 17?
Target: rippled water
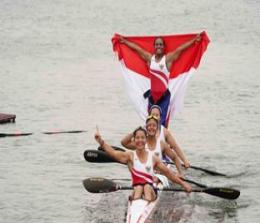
column 58, row 72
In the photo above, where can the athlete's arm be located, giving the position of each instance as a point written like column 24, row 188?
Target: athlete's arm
column 174, row 55
column 146, row 56
column 127, row 141
column 169, row 174
column 174, row 145
column 122, row 157
column 172, row 155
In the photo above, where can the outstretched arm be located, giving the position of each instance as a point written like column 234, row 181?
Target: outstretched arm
column 174, row 55
column 173, row 156
column 122, row 157
column 127, row 141
column 173, row 144
column 146, row 56
column 170, row 175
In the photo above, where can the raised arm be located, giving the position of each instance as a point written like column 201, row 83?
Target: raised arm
column 146, row 56
column 169, row 174
column 174, row 55
column 173, row 156
column 122, row 157
column 174, row 145
column 127, row 141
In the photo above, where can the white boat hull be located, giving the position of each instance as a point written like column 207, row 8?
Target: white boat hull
column 139, row 210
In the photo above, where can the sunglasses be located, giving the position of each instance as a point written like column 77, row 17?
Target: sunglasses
column 152, row 117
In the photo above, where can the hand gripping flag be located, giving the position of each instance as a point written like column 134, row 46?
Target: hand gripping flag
column 138, row 77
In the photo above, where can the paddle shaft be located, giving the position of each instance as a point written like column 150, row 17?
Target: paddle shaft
column 187, row 180
column 211, row 172
column 195, row 183
column 164, row 189
column 59, row 132
column 102, row 185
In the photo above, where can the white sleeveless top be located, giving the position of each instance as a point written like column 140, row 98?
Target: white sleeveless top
column 159, row 66
column 157, row 151
column 146, row 167
column 159, row 78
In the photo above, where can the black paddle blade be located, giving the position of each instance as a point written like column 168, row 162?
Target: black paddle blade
column 97, row 156
column 100, row 185
column 223, row 192
column 14, row 134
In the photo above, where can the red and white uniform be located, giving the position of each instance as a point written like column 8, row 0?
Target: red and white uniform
column 142, row 173
column 159, row 77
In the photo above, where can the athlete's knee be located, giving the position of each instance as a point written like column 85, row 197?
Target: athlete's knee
column 149, row 193
column 138, row 192
column 150, row 197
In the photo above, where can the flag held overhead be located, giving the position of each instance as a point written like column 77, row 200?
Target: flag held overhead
column 138, row 76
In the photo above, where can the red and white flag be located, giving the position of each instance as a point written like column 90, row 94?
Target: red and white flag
column 137, row 74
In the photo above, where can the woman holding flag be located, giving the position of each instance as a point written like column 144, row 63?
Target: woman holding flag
column 159, row 65
column 156, row 69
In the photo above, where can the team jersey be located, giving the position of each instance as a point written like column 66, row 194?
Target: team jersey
column 142, row 173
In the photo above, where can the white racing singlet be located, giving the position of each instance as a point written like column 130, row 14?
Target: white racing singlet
column 157, row 151
column 142, row 173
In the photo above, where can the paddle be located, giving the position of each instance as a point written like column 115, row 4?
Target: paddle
column 187, row 180
column 98, row 156
column 14, row 134
column 102, row 185
column 30, row 133
column 195, row 183
column 108, row 159
column 211, row 172
column 59, row 132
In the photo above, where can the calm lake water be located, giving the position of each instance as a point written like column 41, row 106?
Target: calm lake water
column 58, row 72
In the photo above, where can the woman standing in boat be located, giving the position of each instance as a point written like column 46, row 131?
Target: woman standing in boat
column 159, row 65
column 141, row 164
column 165, row 135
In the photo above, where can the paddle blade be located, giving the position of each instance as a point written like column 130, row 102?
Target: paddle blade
column 100, row 185
column 14, row 134
column 97, row 156
column 223, row 192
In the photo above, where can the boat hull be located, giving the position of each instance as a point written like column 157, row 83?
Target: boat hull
column 139, row 210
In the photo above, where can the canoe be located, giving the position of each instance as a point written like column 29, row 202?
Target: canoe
column 140, row 210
